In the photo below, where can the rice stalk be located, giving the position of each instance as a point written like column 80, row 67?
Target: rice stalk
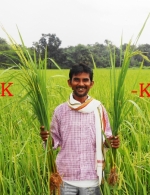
column 119, row 102
column 32, row 77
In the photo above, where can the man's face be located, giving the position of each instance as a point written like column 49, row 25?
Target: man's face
column 80, row 84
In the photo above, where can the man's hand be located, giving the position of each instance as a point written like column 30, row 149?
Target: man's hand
column 112, row 141
column 44, row 135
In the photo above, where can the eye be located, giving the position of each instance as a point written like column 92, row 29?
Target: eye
column 85, row 80
column 76, row 79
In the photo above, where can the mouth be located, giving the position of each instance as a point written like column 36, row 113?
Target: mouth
column 81, row 89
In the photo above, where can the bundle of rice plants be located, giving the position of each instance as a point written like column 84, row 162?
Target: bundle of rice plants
column 120, row 106
column 32, row 77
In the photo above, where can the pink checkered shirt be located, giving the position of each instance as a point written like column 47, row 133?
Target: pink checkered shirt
column 75, row 133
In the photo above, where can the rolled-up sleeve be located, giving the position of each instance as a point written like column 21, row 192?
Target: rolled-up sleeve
column 55, row 131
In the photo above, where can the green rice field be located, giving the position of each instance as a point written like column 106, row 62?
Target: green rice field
column 23, row 170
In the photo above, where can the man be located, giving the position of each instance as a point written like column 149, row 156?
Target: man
column 79, row 126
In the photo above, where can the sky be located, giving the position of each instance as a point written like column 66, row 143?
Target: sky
column 76, row 21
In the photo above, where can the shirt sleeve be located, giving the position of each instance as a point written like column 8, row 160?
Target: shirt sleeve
column 107, row 128
column 55, row 131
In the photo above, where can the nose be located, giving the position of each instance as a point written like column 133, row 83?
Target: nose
column 81, row 83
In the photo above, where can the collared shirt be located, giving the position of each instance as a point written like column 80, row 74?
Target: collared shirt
column 75, row 133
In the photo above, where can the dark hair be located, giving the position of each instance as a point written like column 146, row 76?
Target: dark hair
column 80, row 68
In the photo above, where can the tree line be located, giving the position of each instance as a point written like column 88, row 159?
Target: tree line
column 66, row 57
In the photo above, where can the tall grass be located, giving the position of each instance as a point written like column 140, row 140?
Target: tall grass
column 22, row 152
column 24, row 169
column 121, row 105
column 32, row 77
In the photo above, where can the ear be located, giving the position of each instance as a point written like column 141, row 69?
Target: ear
column 69, row 83
column 92, row 83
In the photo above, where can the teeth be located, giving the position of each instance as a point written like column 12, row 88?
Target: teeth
column 80, row 89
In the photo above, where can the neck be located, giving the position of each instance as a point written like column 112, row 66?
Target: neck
column 80, row 99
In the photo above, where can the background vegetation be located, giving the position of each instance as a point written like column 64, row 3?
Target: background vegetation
column 66, row 57
column 22, row 153
column 24, row 168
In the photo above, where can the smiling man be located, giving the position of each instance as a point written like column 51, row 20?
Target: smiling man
column 80, row 84
column 76, row 128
